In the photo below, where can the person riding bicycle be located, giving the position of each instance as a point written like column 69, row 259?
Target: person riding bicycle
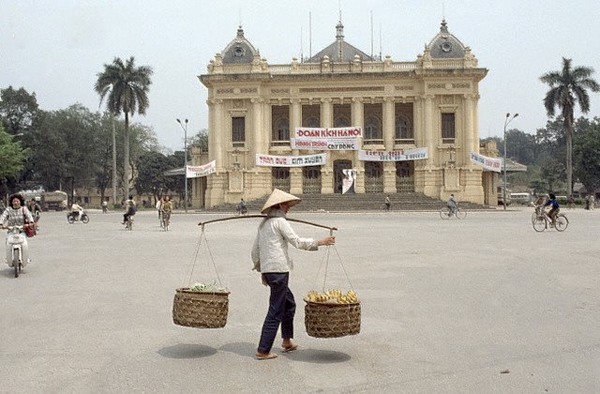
column 555, row 208
column 77, row 210
column 166, row 208
column 452, row 204
column 16, row 214
column 131, row 209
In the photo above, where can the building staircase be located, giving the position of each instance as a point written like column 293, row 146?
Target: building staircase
column 356, row 203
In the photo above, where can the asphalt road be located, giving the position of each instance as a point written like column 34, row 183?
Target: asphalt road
column 482, row 305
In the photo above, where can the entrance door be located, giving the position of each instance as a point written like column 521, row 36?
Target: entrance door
column 338, row 167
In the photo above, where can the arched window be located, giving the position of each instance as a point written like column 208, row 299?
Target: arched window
column 342, row 121
column 403, row 128
column 312, row 122
column 281, row 130
column 372, row 128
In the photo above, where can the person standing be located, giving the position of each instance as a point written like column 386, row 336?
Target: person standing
column 387, row 203
column 159, row 202
column 270, row 257
column 166, row 208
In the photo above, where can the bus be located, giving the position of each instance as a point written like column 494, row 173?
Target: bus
column 521, row 198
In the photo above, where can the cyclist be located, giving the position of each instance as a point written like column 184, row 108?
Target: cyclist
column 554, row 208
column 131, row 208
column 452, row 204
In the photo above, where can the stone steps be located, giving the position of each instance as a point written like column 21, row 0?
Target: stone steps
column 356, row 203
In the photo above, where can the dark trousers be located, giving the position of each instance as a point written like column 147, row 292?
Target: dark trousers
column 282, row 308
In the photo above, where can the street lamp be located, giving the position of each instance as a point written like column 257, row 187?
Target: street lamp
column 185, row 197
column 507, row 120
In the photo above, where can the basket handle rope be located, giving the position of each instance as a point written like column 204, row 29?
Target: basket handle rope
column 325, row 265
column 194, row 259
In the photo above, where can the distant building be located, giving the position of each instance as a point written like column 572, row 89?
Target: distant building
column 418, row 123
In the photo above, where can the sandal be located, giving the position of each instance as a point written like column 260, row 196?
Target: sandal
column 267, row 356
column 291, row 348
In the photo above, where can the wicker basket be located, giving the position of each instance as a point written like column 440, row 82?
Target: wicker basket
column 324, row 320
column 200, row 309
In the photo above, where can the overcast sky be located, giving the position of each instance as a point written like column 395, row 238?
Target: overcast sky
column 56, row 48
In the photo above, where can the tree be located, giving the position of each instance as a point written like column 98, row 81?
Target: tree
column 18, row 109
column 586, row 155
column 151, row 177
column 12, row 157
column 568, row 88
column 520, row 146
column 127, row 87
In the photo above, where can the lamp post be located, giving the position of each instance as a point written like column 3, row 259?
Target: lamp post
column 507, row 120
column 185, row 197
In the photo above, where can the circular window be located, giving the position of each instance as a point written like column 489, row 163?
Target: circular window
column 238, row 51
column 446, row 46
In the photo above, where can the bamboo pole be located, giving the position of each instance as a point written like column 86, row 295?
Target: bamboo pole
column 331, row 229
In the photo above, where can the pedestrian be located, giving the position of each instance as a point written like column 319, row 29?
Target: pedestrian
column 159, row 202
column 271, row 259
column 387, row 203
column 105, row 206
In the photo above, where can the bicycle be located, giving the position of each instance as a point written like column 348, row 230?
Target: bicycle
column 165, row 220
column 458, row 213
column 540, row 221
column 129, row 222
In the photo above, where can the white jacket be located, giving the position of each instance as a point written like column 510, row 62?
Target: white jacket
column 270, row 249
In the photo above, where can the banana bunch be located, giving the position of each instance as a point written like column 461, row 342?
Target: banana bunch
column 334, row 296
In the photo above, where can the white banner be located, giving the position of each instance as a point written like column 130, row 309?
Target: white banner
column 395, row 155
column 488, row 163
column 291, row 161
column 325, row 143
column 199, row 171
column 348, row 181
column 329, row 133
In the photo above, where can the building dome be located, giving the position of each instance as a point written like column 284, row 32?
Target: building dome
column 240, row 50
column 445, row 45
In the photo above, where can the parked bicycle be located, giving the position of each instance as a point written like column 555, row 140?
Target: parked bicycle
column 541, row 221
column 458, row 213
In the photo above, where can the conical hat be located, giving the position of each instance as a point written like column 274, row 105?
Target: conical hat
column 278, row 197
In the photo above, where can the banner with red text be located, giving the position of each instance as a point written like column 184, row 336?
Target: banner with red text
column 488, row 163
column 199, row 171
column 291, row 161
column 328, row 133
column 395, row 155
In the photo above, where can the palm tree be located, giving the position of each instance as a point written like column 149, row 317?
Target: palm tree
column 127, row 87
column 567, row 88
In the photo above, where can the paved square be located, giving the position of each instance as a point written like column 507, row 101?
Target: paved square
column 485, row 304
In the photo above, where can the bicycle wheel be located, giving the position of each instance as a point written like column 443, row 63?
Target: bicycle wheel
column 539, row 224
column 460, row 214
column 533, row 217
column 561, row 222
column 445, row 213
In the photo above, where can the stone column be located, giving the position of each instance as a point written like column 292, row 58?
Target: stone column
column 358, row 119
column 295, row 121
column 327, row 170
column 389, row 167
